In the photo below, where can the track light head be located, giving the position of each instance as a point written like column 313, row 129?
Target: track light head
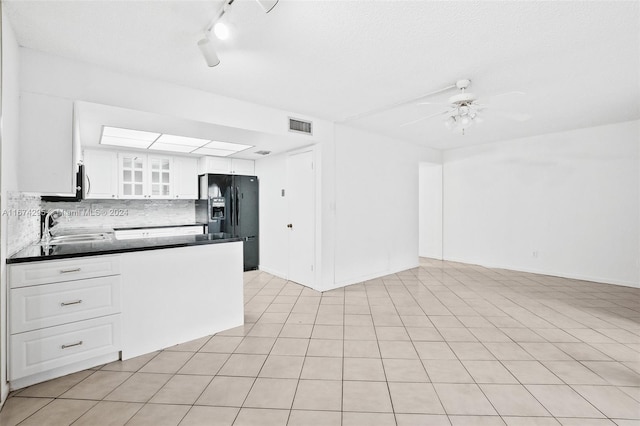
column 209, row 52
column 267, row 5
column 221, row 30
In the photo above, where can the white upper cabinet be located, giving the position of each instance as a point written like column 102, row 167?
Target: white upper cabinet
column 221, row 165
column 224, row 165
column 145, row 176
column 242, row 167
column 101, row 173
column 160, row 176
column 132, row 175
column 186, row 178
column 47, row 163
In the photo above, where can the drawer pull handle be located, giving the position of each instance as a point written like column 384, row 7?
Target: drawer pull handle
column 71, row 345
column 75, row 302
column 66, row 271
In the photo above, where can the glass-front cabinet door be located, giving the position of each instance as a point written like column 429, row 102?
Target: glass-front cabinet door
column 132, row 170
column 160, row 176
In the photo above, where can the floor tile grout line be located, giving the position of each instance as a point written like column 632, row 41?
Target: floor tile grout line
column 295, row 392
column 255, row 379
column 478, row 384
column 418, row 354
column 392, row 297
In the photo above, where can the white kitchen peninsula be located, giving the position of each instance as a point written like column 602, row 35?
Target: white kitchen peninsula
column 77, row 306
column 175, row 295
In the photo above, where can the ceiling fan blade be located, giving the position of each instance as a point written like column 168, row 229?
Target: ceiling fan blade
column 397, row 104
column 434, row 103
column 510, row 115
column 500, row 95
column 425, row 118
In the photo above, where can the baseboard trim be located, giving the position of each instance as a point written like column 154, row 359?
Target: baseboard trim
column 4, row 394
column 273, row 272
column 600, row 280
column 379, row 274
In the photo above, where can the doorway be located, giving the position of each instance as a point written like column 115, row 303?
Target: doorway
column 430, row 211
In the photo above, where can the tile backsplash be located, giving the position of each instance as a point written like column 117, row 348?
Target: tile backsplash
column 124, row 213
column 23, row 220
column 24, row 215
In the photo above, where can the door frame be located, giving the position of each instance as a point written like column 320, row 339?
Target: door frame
column 315, row 159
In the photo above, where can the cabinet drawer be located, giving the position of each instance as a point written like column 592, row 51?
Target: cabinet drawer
column 54, row 271
column 41, row 350
column 54, row 304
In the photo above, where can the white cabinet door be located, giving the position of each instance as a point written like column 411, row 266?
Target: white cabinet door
column 54, row 271
column 242, row 167
column 42, row 350
column 185, row 178
column 220, row 165
column 223, row 165
column 46, row 145
column 132, row 169
column 101, row 173
column 159, row 176
column 41, row 306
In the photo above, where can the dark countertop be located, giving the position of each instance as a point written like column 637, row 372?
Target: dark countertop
column 34, row 253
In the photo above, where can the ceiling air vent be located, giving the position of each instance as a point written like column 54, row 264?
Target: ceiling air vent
column 263, row 152
column 300, row 126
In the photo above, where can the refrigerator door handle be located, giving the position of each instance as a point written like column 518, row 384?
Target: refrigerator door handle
column 237, row 206
column 232, row 206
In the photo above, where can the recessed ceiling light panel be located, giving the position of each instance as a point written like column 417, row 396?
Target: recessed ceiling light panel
column 140, row 135
column 182, row 140
column 235, row 147
column 171, row 143
column 129, row 143
column 159, row 146
column 214, row 152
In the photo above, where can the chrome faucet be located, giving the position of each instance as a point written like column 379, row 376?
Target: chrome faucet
column 46, row 233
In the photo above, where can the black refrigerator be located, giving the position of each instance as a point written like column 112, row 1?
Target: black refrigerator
column 232, row 208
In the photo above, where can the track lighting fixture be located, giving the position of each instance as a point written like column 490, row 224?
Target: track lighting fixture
column 221, row 28
column 208, row 51
column 267, row 5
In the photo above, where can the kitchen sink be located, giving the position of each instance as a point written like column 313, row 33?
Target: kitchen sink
column 77, row 239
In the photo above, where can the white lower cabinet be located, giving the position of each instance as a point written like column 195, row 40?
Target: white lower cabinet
column 42, row 306
column 41, row 350
column 64, row 316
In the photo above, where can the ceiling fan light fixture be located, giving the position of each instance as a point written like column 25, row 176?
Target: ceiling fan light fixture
column 450, row 122
column 465, row 121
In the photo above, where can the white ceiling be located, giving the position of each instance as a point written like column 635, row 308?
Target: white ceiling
column 578, row 61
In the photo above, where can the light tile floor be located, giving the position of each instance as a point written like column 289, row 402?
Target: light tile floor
column 442, row 344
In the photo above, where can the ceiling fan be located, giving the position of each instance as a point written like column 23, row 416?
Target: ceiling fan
column 464, row 110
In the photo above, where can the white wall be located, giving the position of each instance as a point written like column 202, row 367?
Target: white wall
column 56, row 76
column 571, row 197
column 430, row 210
column 9, row 165
column 376, row 193
column 367, row 208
